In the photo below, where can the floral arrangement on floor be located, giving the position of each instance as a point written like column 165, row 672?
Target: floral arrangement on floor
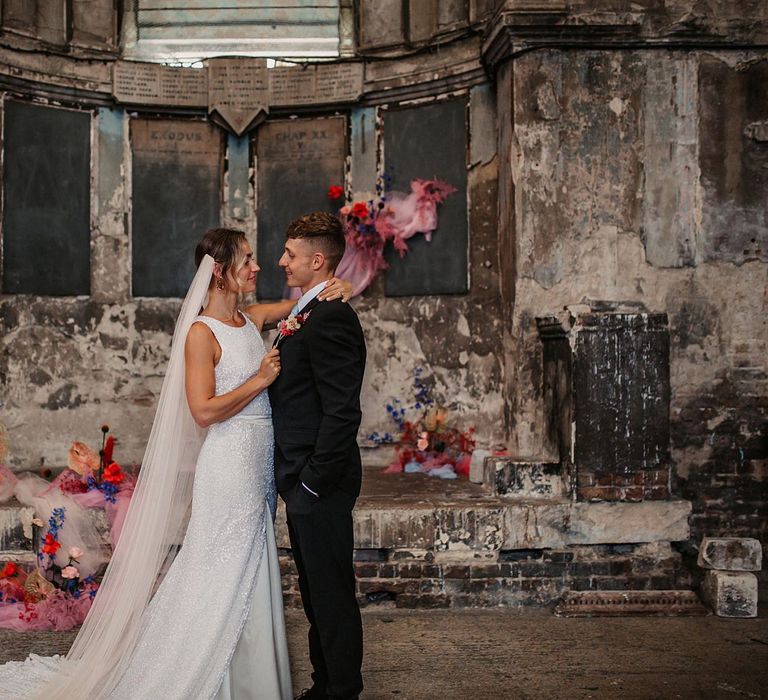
column 51, row 596
column 371, row 221
column 428, row 443
column 93, row 473
column 56, row 594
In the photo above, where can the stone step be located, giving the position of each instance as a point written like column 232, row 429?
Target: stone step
column 731, row 554
column 484, row 526
column 473, row 524
column 510, row 477
column 28, row 559
column 731, row 593
column 13, row 517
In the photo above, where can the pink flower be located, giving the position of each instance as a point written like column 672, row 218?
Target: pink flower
column 75, row 552
column 423, row 442
column 69, row 572
column 292, row 324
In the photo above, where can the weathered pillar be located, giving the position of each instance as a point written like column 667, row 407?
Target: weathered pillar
column 606, row 387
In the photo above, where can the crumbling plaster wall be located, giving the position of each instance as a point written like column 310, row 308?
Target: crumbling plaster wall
column 69, row 365
column 454, row 338
column 640, row 180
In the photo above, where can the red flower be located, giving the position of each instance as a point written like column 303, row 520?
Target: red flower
column 360, row 210
column 72, row 483
column 109, row 448
column 335, row 192
column 51, row 546
column 113, row 473
column 10, row 569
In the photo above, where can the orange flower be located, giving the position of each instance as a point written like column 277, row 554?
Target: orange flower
column 113, row 473
column 82, row 459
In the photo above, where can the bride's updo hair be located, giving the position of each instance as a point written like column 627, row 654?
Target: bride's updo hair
column 225, row 246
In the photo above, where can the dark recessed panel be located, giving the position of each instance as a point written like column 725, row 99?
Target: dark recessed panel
column 46, row 200
column 428, row 142
column 176, row 199
column 297, row 161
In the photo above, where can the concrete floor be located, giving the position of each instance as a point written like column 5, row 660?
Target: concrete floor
column 528, row 653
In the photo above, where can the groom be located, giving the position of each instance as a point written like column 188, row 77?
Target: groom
column 316, row 415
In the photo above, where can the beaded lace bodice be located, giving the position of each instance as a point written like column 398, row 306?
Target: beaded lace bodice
column 242, row 351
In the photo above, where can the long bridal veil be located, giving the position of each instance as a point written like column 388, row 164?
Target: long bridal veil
column 153, row 529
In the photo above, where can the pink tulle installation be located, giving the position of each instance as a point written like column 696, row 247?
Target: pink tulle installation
column 397, row 217
column 58, row 611
column 25, row 608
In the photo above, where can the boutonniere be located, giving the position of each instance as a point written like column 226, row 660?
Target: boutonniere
column 291, row 325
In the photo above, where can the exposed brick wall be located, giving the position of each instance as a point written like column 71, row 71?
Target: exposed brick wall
column 516, row 577
column 721, row 437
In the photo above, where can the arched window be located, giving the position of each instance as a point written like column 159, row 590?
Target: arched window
column 183, row 33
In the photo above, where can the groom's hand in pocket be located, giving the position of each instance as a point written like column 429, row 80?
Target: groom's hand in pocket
column 301, row 500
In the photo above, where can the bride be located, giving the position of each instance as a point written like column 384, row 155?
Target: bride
column 207, row 622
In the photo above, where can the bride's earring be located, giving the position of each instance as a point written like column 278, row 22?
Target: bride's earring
column 220, row 284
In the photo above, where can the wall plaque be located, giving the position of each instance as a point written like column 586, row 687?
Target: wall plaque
column 176, row 181
column 316, row 84
column 154, row 84
column 339, row 82
column 238, row 91
column 291, row 86
column 296, row 159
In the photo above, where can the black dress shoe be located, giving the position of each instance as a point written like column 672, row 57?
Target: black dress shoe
column 311, row 694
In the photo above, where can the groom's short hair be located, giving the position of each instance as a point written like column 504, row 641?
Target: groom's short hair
column 326, row 233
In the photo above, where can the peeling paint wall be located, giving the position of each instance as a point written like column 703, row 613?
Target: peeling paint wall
column 626, row 171
column 639, row 184
column 69, row 365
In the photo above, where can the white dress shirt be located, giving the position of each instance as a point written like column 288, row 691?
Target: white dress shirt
column 308, row 296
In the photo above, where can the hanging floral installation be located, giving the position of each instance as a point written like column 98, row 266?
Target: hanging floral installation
column 428, row 443
column 56, row 592
column 370, row 222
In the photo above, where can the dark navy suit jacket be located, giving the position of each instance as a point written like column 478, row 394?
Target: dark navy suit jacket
column 316, row 402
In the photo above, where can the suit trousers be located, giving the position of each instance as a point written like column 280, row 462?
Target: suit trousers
column 322, row 542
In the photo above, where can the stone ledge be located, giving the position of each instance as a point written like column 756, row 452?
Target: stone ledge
column 559, row 525
column 495, row 524
column 18, row 556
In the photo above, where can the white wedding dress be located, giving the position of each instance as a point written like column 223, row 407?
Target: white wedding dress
column 215, row 626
